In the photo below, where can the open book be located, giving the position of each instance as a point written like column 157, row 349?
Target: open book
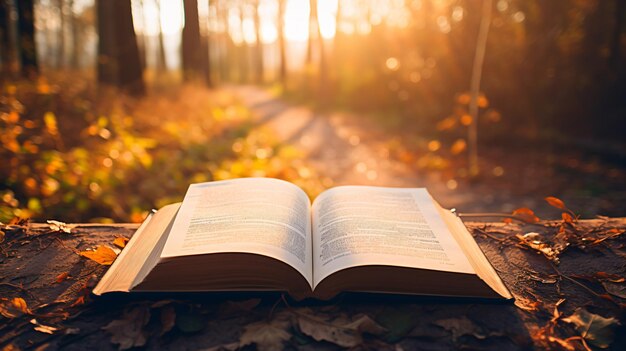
column 264, row 234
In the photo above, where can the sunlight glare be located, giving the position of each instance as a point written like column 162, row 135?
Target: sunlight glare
column 171, row 17
column 297, row 20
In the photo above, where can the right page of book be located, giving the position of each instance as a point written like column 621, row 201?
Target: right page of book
column 363, row 225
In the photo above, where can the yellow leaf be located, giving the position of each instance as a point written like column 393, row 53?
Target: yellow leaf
column 50, row 121
column 104, row 255
column 120, row 242
column 13, row 308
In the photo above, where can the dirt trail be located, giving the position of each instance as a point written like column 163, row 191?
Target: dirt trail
column 344, row 148
column 337, row 147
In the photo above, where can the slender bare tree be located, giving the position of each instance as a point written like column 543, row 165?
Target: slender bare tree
column 26, row 41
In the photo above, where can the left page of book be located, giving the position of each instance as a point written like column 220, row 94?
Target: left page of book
column 262, row 216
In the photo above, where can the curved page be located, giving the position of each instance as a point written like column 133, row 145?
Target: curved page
column 362, row 225
column 254, row 215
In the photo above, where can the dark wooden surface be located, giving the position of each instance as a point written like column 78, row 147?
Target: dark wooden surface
column 33, row 257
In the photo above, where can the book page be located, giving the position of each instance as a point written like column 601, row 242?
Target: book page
column 264, row 216
column 361, row 225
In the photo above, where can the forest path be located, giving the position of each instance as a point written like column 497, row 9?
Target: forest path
column 337, row 145
column 347, row 148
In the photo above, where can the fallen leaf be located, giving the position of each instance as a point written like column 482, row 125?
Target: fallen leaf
column 593, row 328
column 79, row 301
column 2, row 235
column 62, row 227
column 266, row 336
column 526, row 304
column 104, row 255
column 14, row 308
column 555, row 202
column 535, row 241
column 613, row 278
column 168, row 318
column 234, row 308
column 43, row 328
column 342, row 331
column 615, row 289
column 120, row 242
column 365, row 324
column 61, row 277
column 526, row 215
column 461, row 326
column 128, row 331
column 567, row 218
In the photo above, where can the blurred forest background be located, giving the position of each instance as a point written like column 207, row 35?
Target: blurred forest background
column 111, row 107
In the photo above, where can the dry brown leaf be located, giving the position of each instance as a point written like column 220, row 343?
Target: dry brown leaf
column 128, row 332
column 364, row 324
column 43, row 328
column 62, row 227
column 334, row 332
column 120, row 242
column 555, row 202
column 594, row 328
column 461, row 326
column 535, row 241
column 526, row 304
column 614, row 278
column 168, row 318
column 104, row 255
column 266, row 336
column 14, row 308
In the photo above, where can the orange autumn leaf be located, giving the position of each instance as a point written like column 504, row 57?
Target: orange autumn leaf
column 555, row 202
column 104, row 255
column 13, row 308
column 526, row 214
column 567, row 218
column 120, row 242
column 61, row 277
column 79, row 301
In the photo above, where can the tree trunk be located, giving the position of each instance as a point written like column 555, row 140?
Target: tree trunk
column 616, row 37
column 26, row 38
column 477, row 69
column 76, row 52
column 259, row 45
column 282, row 70
column 60, row 59
column 206, row 58
column 118, row 56
column 192, row 55
column 142, row 39
column 5, row 39
column 243, row 50
column 323, row 70
column 161, row 65
column 312, row 31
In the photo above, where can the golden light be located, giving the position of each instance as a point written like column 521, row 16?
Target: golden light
column 171, row 17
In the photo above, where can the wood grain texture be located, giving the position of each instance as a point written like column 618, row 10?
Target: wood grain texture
column 32, row 257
